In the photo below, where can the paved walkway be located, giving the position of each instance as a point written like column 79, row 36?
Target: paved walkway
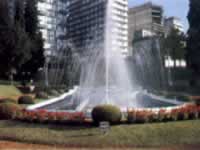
column 5, row 145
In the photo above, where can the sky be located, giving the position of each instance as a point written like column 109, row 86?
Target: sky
column 178, row 8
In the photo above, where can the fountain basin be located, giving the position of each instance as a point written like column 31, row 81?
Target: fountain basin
column 143, row 101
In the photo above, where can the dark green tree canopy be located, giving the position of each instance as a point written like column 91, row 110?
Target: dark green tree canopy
column 21, row 43
column 5, row 19
column 31, row 18
column 14, row 43
column 37, row 60
column 19, row 13
column 174, row 44
column 193, row 41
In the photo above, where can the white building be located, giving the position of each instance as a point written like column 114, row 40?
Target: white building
column 120, row 21
column 52, row 18
column 87, row 22
column 144, row 21
column 173, row 23
column 82, row 21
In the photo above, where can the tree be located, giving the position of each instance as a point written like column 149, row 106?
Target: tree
column 174, row 45
column 31, row 18
column 193, row 44
column 5, row 19
column 37, row 60
column 19, row 13
column 14, row 42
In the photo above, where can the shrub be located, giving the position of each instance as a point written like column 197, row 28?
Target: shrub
column 131, row 116
column 42, row 95
column 53, row 93
column 174, row 114
column 26, row 100
column 183, row 98
column 192, row 111
column 61, row 91
column 9, row 110
column 142, row 117
column 153, row 117
column 180, row 97
column 8, row 100
column 196, row 100
column 162, row 115
column 182, row 113
column 108, row 113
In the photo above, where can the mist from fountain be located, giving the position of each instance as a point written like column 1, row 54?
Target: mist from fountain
column 105, row 78
column 149, row 65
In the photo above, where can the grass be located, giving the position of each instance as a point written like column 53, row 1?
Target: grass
column 148, row 135
column 24, row 146
column 9, row 91
column 37, row 100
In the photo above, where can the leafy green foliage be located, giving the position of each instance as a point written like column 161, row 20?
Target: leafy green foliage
column 4, row 14
column 8, row 110
column 19, row 13
column 193, row 44
column 21, row 43
column 52, row 92
column 8, row 100
column 14, row 42
column 31, row 18
column 37, row 59
column 42, row 95
column 26, row 100
column 108, row 113
column 174, row 46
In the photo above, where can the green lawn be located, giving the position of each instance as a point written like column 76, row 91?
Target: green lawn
column 148, row 135
column 9, row 91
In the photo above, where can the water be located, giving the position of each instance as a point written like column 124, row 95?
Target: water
column 105, row 78
column 149, row 64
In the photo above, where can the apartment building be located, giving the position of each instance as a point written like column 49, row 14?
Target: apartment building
column 52, row 18
column 87, row 23
column 173, row 22
column 144, row 21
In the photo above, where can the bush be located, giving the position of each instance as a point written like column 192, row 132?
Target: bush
column 8, row 100
column 8, row 110
column 141, row 116
column 42, row 95
column 109, row 113
column 61, row 91
column 131, row 118
column 182, row 98
column 195, row 100
column 53, row 93
column 26, row 100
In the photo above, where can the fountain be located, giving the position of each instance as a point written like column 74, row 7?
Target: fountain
column 106, row 79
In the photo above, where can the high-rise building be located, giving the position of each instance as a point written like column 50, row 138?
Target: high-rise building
column 87, row 23
column 52, row 18
column 47, row 23
column 173, row 22
column 144, row 21
column 82, row 22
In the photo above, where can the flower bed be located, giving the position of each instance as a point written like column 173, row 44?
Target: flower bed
column 186, row 112
column 43, row 116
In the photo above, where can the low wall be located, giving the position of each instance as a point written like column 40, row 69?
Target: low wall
column 51, row 102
